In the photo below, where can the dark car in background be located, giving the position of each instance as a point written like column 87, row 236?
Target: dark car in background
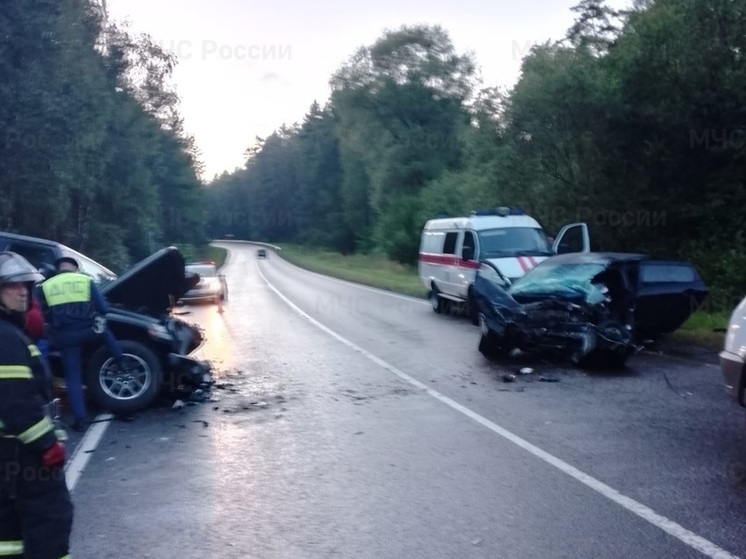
column 157, row 345
column 261, row 253
column 593, row 308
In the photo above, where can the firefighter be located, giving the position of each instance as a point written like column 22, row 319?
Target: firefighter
column 75, row 313
column 36, row 511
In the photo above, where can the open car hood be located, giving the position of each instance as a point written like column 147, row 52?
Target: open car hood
column 153, row 284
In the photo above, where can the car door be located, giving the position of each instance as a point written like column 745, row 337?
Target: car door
column 668, row 293
column 450, row 263
column 573, row 237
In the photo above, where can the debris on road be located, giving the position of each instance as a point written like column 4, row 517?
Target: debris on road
column 548, row 379
column 178, row 404
column 509, row 378
column 526, row 371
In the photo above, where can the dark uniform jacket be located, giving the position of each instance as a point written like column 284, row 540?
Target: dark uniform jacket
column 25, row 389
column 70, row 301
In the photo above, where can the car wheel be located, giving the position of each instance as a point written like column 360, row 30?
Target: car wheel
column 439, row 304
column 488, row 344
column 130, row 388
column 472, row 309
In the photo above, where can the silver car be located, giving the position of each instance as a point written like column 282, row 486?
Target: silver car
column 212, row 286
column 733, row 356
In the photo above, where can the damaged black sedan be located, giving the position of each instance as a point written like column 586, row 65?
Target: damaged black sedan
column 595, row 309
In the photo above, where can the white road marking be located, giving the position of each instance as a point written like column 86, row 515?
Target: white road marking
column 88, row 444
column 669, row 526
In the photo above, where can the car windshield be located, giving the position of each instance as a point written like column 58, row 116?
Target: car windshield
column 513, row 241
column 100, row 274
column 561, row 280
column 205, row 271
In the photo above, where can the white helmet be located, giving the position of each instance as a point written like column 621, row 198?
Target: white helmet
column 14, row 268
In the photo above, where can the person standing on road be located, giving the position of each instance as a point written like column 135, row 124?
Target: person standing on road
column 36, row 511
column 75, row 312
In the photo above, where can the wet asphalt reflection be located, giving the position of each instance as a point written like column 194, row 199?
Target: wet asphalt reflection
column 386, row 441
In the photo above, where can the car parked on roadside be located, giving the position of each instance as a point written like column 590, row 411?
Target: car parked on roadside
column 211, row 287
column 733, row 356
column 593, row 308
column 261, row 253
column 158, row 346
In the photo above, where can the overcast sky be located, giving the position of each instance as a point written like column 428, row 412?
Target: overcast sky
column 247, row 67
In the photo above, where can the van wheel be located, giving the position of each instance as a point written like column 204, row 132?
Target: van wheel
column 472, row 309
column 436, row 301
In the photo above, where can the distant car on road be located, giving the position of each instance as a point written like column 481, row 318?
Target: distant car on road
column 212, row 285
column 733, row 356
column 261, row 253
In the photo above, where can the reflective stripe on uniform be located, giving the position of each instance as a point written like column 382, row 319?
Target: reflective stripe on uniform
column 15, row 372
column 34, row 351
column 37, row 431
column 67, row 288
column 11, row 547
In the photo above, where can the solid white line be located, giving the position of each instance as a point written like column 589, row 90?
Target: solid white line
column 85, row 449
column 669, row 526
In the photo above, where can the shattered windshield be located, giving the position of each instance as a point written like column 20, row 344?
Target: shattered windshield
column 513, row 241
column 561, row 280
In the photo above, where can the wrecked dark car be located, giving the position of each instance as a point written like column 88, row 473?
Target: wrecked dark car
column 156, row 344
column 595, row 309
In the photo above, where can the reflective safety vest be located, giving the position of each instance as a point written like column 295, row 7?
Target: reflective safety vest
column 67, row 288
column 68, row 301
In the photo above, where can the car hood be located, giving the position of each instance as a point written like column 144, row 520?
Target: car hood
column 153, row 284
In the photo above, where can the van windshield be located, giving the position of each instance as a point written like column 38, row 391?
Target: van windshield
column 513, row 241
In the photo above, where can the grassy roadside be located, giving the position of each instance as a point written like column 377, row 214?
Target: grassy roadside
column 699, row 330
column 367, row 270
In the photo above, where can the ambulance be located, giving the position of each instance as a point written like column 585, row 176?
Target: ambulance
column 451, row 249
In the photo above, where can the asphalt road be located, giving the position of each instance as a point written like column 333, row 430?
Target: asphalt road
column 348, row 422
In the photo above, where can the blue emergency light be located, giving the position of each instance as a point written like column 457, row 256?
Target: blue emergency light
column 502, row 211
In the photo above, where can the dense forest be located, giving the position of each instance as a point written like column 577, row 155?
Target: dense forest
column 93, row 152
column 633, row 122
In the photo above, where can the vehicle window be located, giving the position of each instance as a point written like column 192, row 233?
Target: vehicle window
column 469, row 243
column 508, row 241
column 666, row 273
column 572, row 241
column 558, row 278
column 35, row 254
column 99, row 273
column 204, row 271
column 432, row 242
column 449, row 246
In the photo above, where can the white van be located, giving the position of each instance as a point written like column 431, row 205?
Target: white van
column 451, row 248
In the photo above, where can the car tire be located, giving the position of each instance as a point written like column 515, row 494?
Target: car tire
column 472, row 309
column 124, row 393
column 437, row 302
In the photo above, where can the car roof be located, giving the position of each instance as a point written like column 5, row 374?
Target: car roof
column 29, row 239
column 596, row 257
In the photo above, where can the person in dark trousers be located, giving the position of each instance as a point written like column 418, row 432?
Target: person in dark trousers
column 75, row 313
column 36, row 511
